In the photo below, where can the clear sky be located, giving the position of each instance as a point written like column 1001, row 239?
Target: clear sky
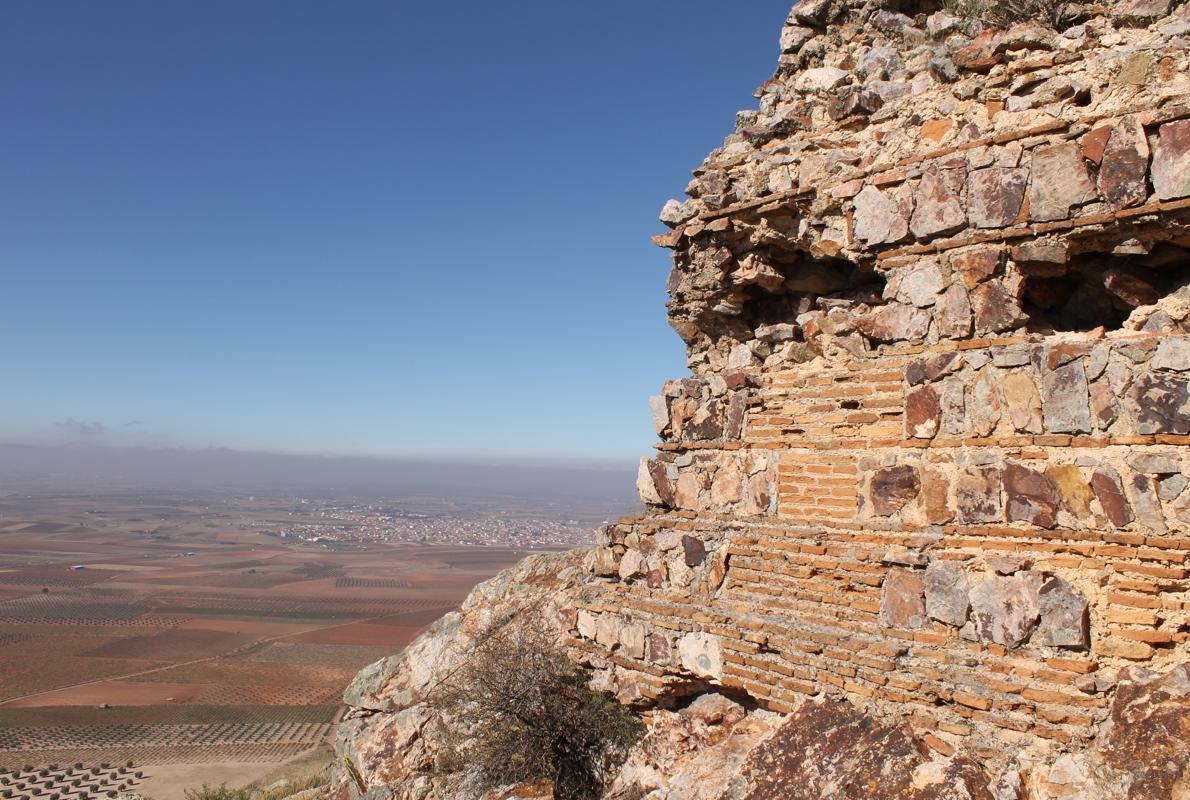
column 352, row 227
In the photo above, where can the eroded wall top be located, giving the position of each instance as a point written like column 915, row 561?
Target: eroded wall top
column 914, row 175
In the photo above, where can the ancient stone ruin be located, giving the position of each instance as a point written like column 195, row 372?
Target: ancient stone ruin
column 919, row 521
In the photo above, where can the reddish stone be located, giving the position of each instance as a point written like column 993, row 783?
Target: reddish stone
column 694, row 551
column 736, row 380
column 953, row 312
column 1145, row 738
column 1124, row 171
column 657, row 648
column 994, row 196
column 734, row 427
column 1171, row 160
column 923, row 413
column 1094, row 143
column 977, row 495
column 995, row 309
column 936, row 129
column 1130, row 287
column 895, row 322
column 981, row 55
column 1060, row 182
column 935, row 490
column 1110, row 493
column 665, row 489
column 1032, row 496
column 903, row 603
column 832, row 749
column 892, row 488
column 974, row 266
column 938, row 210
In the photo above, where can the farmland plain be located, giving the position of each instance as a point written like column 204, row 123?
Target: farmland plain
column 169, row 629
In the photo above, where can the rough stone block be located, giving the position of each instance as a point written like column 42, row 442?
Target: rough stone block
column 902, row 603
column 1059, row 182
column 946, row 592
column 892, row 488
column 1006, row 610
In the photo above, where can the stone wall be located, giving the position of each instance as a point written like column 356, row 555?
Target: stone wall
column 918, row 525
column 932, row 455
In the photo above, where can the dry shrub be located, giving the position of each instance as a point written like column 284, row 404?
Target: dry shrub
column 522, row 712
column 1004, row 13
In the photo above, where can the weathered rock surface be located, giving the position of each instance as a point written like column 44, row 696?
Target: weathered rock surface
column 831, row 750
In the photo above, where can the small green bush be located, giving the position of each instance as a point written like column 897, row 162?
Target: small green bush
column 523, row 713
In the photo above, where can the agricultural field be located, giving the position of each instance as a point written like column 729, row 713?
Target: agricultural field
column 142, row 633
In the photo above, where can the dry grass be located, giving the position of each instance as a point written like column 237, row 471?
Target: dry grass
column 1003, row 13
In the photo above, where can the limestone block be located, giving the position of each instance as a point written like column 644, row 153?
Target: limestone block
column 701, row 654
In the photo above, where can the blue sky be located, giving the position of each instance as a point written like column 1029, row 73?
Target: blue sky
column 364, row 228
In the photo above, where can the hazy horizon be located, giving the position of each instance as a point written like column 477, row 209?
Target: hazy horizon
column 88, row 467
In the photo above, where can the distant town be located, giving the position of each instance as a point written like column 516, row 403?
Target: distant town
column 338, row 522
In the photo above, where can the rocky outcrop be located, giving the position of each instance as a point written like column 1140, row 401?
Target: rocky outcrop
column 918, row 523
column 390, row 739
